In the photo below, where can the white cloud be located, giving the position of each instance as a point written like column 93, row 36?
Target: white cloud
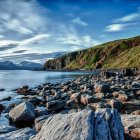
column 120, row 27
column 8, row 42
column 35, row 39
column 128, row 18
column 114, row 27
column 125, row 22
column 10, row 46
column 23, row 17
column 79, row 22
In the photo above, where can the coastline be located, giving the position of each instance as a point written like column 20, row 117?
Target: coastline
column 118, row 90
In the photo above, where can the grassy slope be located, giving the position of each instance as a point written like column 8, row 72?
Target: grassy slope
column 115, row 54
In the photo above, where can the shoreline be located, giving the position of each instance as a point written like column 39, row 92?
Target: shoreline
column 108, row 90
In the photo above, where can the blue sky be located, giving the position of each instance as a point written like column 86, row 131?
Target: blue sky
column 33, row 28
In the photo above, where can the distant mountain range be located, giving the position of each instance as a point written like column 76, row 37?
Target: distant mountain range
column 24, row 65
column 115, row 54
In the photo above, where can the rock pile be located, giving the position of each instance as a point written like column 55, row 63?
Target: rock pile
column 70, row 110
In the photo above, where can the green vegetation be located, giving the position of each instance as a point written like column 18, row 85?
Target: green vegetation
column 115, row 54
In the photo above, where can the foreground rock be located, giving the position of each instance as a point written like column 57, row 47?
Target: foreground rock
column 132, row 126
column 23, row 114
column 104, row 124
column 21, row 134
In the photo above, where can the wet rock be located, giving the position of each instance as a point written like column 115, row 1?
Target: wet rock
column 2, row 89
column 132, row 126
column 6, row 129
column 21, row 134
column 56, row 105
column 23, row 114
column 76, row 97
column 1, row 108
column 102, row 87
column 86, row 99
column 6, row 99
column 8, row 108
column 35, row 101
column 84, row 125
column 114, row 103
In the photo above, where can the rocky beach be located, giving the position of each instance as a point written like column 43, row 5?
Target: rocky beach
column 105, row 106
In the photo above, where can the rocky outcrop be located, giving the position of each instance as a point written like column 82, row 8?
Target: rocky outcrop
column 21, row 134
column 22, row 114
column 104, row 124
column 101, row 56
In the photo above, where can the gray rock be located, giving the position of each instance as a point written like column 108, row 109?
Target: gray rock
column 135, row 85
column 108, row 125
column 22, row 114
column 21, row 134
column 56, row 105
column 41, row 111
column 104, row 124
column 100, row 95
column 6, row 129
column 102, row 87
column 86, row 99
column 76, row 97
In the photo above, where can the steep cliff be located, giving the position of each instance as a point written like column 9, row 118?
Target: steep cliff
column 115, row 54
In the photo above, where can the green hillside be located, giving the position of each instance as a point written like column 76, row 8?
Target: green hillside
column 115, row 54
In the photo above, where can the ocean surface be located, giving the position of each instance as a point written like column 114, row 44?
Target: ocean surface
column 12, row 79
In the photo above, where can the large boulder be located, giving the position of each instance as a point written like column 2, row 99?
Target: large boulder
column 132, row 126
column 21, row 134
column 104, row 124
column 23, row 114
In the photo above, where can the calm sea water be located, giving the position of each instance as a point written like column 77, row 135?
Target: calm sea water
column 12, row 79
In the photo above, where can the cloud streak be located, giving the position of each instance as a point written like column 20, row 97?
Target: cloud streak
column 80, row 22
column 27, row 21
